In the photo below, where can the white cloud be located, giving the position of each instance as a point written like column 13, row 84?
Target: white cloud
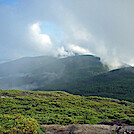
column 113, row 63
column 41, row 42
column 78, row 49
column 63, row 53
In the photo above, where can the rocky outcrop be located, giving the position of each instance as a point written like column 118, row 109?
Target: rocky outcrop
column 87, row 129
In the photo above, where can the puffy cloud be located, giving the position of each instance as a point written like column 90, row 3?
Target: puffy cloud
column 39, row 41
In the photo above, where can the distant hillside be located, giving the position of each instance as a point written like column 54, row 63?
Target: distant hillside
column 24, row 65
column 39, row 72
column 59, row 108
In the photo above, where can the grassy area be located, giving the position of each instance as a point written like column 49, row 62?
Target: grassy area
column 57, row 107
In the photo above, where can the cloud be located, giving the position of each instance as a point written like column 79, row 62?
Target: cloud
column 62, row 52
column 110, row 24
column 39, row 41
column 78, row 49
column 103, row 28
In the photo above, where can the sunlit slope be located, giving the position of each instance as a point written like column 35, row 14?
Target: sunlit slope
column 57, row 107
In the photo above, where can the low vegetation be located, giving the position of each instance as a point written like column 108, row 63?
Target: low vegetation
column 18, row 124
column 22, row 111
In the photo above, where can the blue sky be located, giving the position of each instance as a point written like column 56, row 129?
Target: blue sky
column 53, row 30
column 8, row 2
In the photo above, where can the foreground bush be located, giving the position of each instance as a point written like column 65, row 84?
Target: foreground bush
column 17, row 125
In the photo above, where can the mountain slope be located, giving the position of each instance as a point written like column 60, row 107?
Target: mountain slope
column 48, row 72
column 24, row 65
column 117, row 83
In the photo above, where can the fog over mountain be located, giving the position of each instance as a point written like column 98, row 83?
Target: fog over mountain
column 64, row 27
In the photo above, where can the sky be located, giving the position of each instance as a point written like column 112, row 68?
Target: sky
column 104, row 28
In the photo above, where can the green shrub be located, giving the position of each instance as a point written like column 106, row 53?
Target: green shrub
column 18, row 125
column 60, row 108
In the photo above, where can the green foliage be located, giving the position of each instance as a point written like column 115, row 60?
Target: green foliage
column 58, row 107
column 11, row 124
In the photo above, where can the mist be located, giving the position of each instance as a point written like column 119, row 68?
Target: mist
column 102, row 28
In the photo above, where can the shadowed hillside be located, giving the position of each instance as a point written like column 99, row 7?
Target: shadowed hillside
column 117, row 83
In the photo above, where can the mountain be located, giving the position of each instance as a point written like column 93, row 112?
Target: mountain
column 46, row 72
column 76, row 69
column 4, row 60
column 24, row 65
column 82, row 75
column 117, row 83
